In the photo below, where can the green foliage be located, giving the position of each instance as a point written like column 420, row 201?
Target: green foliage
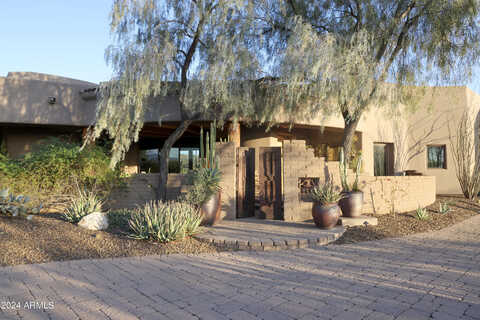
column 326, row 193
column 50, row 172
column 118, row 219
column 164, row 221
column 343, row 173
column 444, row 207
column 205, row 183
column 84, row 203
column 16, row 205
column 422, row 214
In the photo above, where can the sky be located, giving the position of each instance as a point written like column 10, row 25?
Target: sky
column 63, row 37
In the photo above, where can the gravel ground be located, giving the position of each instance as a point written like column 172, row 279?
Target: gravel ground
column 48, row 238
column 398, row 225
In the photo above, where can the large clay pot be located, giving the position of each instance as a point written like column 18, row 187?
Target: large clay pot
column 351, row 204
column 211, row 210
column 325, row 216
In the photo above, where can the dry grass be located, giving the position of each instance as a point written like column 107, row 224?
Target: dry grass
column 48, row 238
column 398, row 225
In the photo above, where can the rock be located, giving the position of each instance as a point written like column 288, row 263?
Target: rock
column 358, row 221
column 94, row 221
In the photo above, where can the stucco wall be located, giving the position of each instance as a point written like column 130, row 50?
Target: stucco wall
column 381, row 194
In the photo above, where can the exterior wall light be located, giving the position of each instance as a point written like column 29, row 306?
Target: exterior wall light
column 52, row 100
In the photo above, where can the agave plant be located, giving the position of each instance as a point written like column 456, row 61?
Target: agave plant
column 326, row 193
column 81, row 205
column 14, row 206
column 205, row 183
column 422, row 214
column 164, row 221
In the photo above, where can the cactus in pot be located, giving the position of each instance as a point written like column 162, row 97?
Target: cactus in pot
column 352, row 202
column 205, row 178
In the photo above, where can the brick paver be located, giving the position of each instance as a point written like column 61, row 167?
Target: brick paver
column 266, row 235
column 429, row 276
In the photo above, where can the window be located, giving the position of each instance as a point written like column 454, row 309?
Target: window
column 181, row 160
column 383, row 159
column 436, row 157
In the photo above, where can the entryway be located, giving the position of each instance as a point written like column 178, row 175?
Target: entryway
column 265, row 192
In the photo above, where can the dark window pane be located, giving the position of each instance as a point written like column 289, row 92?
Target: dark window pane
column 436, row 157
column 149, row 161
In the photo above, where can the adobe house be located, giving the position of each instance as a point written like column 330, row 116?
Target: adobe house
column 270, row 169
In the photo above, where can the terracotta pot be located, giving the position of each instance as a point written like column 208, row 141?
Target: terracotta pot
column 211, row 210
column 351, row 204
column 325, row 216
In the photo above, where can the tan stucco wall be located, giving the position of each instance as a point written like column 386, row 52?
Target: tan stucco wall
column 24, row 99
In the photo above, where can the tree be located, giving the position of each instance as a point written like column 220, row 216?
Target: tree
column 464, row 141
column 196, row 51
column 347, row 55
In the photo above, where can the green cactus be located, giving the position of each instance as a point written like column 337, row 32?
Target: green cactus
column 343, row 173
column 208, row 157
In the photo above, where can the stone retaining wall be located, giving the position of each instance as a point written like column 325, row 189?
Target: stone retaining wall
column 381, row 194
column 141, row 188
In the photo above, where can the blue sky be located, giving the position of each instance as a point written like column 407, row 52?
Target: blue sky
column 62, row 37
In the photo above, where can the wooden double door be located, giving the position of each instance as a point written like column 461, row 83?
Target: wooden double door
column 263, row 194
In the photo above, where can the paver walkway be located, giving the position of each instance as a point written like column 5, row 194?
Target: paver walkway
column 256, row 234
column 419, row 277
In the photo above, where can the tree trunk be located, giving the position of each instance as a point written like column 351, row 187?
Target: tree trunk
column 348, row 134
column 163, row 157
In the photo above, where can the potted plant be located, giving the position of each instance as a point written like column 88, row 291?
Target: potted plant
column 352, row 200
column 325, row 210
column 205, row 178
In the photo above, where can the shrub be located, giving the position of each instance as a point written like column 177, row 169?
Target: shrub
column 85, row 203
column 50, row 171
column 444, row 207
column 119, row 218
column 164, row 221
column 14, row 206
column 422, row 214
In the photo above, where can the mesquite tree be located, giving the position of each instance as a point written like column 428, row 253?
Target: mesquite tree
column 346, row 55
column 196, row 51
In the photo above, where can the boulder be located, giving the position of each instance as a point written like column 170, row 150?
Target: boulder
column 94, row 221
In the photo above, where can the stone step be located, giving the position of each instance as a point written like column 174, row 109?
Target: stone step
column 358, row 221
